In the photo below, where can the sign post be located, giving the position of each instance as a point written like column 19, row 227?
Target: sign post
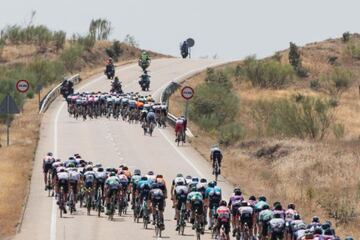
column 22, row 86
column 8, row 107
column 187, row 93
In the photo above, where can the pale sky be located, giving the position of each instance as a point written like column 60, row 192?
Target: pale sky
column 232, row 29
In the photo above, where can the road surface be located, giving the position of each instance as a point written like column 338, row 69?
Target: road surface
column 111, row 142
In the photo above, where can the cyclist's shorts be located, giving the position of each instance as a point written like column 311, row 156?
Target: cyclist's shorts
column 74, row 185
column 180, row 201
column 159, row 202
column 47, row 167
column 247, row 218
column 235, row 210
column 88, row 184
column 225, row 224
column 64, row 184
column 111, row 192
column 198, row 206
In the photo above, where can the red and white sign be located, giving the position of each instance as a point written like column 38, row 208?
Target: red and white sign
column 187, row 92
column 22, row 86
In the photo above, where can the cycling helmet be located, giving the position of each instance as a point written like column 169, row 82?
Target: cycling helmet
column 276, row 203
column 296, row 217
column 195, row 179
column 325, row 226
column 244, row 203
column 349, row 238
column 144, row 178
column 71, row 165
column 277, row 215
column 76, row 155
column 137, row 172
column 89, row 168
column 100, row 169
column 62, row 170
column 180, row 183
column 98, row 165
column 212, row 184
column 150, row 173
column 237, row 191
column 125, row 168
column 159, row 176
column 50, row 154
column 188, row 177
column 291, row 206
column 203, row 180
column 262, row 198
column 265, row 207
column 121, row 166
column 252, row 198
column 278, row 207
column 112, row 174
column 223, row 203
column 179, row 175
column 315, row 219
column 318, row 231
column 116, row 78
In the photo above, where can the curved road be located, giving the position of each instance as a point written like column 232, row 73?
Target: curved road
column 111, row 142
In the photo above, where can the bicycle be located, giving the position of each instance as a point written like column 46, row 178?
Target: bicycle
column 98, row 203
column 71, row 201
column 61, row 201
column 137, row 209
column 122, row 203
column 198, row 225
column 145, row 214
column 245, row 234
column 112, row 207
column 182, row 218
column 49, row 186
column 88, row 200
column 180, row 137
column 158, row 221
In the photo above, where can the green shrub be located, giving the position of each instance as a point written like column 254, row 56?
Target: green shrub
column 213, row 105
column 237, row 73
column 115, row 51
column 218, row 77
column 346, row 37
column 86, row 42
column 315, row 84
column 339, row 130
column 70, row 57
column 131, row 41
column 59, row 38
column 294, row 56
column 353, row 49
column 306, row 117
column 332, row 60
column 230, row 133
column 337, row 81
column 267, row 74
column 100, row 29
column 46, row 72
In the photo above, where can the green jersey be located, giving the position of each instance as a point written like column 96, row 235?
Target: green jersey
column 193, row 196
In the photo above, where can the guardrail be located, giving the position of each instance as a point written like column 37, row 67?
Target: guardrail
column 54, row 93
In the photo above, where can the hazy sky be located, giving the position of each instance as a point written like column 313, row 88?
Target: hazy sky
column 228, row 28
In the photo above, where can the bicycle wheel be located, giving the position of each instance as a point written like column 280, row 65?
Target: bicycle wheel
column 88, row 204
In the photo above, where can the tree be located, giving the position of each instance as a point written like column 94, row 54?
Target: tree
column 100, row 29
column 294, row 56
column 130, row 40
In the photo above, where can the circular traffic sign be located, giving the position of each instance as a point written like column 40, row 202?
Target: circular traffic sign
column 187, row 92
column 22, row 86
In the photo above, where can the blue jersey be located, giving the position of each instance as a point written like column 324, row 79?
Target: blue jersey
column 209, row 192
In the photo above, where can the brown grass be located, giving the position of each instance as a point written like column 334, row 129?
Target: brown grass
column 313, row 175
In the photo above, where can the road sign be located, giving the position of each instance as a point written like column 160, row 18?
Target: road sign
column 190, row 42
column 8, row 106
column 22, row 86
column 187, row 92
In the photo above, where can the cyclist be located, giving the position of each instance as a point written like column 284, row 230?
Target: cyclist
column 216, row 155
column 223, row 219
column 265, row 215
column 315, row 223
column 289, row 217
column 188, row 179
column 246, row 216
column 74, row 180
column 196, row 206
column 112, row 185
column 63, row 182
column 157, row 198
column 144, row 187
column 180, row 127
column 179, row 178
column 212, row 200
column 162, row 184
column 234, row 204
column 134, row 182
column 100, row 176
column 277, row 227
column 151, row 177
column 295, row 225
column 180, row 195
column 47, row 164
column 89, row 180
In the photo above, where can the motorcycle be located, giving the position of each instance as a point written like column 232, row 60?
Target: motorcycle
column 144, row 64
column 110, row 71
column 145, row 82
column 116, row 88
column 184, row 51
column 66, row 91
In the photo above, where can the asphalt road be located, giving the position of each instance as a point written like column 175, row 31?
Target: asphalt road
column 111, row 143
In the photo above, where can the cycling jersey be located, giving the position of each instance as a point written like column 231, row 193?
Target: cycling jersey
column 63, row 176
column 135, row 179
column 277, row 225
column 194, row 196
column 181, row 192
column 74, row 176
column 265, row 215
column 259, row 205
column 178, row 179
column 223, row 214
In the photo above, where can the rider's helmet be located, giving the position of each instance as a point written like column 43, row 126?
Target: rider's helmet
column 49, row 154
column 71, row 165
column 252, row 198
column 296, row 217
column 244, row 203
column 112, row 174
column 116, row 79
column 203, row 180
column 180, row 183
column 100, row 169
column 89, row 168
column 195, row 179
column 291, row 206
column 144, row 178
column 137, row 172
column 212, row 184
column 223, row 203
column 159, row 176
column 150, row 173
column 262, row 198
column 125, row 168
column 325, row 226
column 315, row 219
column 278, row 207
column 179, row 175
column 265, row 207
column 188, row 177
column 237, row 191
column 110, row 59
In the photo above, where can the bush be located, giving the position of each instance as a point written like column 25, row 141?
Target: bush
column 346, row 37
column 131, row 41
column 115, row 51
column 71, row 57
column 337, row 81
column 302, row 72
column 315, row 84
column 86, row 43
column 308, row 117
column 46, row 72
column 294, row 56
column 339, row 130
column 218, row 77
column 230, row 133
column 59, row 38
column 100, row 29
column 332, row 60
column 267, row 74
column 353, row 49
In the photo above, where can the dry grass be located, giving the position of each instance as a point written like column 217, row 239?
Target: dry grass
column 313, row 175
column 16, row 165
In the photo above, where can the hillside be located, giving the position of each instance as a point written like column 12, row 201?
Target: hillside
column 289, row 133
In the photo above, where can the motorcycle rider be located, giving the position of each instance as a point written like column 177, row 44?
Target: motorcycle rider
column 144, row 60
column 116, row 85
column 145, row 79
column 110, row 68
column 184, row 49
column 66, row 88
